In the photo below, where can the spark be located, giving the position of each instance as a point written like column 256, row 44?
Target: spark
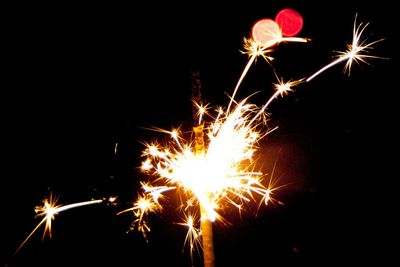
column 156, row 191
column 283, row 88
column 356, row 52
column 48, row 211
column 193, row 235
column 222, row 175
column 146, row 165
column 219, row 173
column 270, row 188
column 144, row 205
column 111, row 200
column 255, row 49
column 201, row 111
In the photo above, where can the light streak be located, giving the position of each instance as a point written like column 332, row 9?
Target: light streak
column 356, row 51
column 255, row 49
column 48, row 211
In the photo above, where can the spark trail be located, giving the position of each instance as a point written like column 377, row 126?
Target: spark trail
column 49, row 210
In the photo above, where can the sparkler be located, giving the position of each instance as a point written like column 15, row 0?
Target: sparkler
column 216, row 169
column 212, row 178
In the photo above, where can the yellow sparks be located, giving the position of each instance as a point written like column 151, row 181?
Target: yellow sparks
column 201, row 111
column 269, row 191
column 221, row 176
column 141, row 208
column 356, row 52
column 146, row 165
column 112, row 199
column 48, row 211
column 283, row 88
column 192, row 239
column 355, row 49
column 254, row 49
column 156, row 191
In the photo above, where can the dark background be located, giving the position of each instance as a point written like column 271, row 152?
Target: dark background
column 79, row 79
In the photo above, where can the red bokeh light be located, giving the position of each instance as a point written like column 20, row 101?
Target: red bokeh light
column 290, row 21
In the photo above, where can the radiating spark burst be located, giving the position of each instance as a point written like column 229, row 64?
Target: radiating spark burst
column 356, row 52
column 201, row 111
column 144, row 205
column 283, row 88
column 222, row 175
column 271, row 187
column 254, row 49
column 48, row 211
column 193, row 235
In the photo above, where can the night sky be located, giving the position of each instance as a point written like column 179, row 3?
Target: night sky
column 79, row 79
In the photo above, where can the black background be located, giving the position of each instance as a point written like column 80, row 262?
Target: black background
column 79, row 79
